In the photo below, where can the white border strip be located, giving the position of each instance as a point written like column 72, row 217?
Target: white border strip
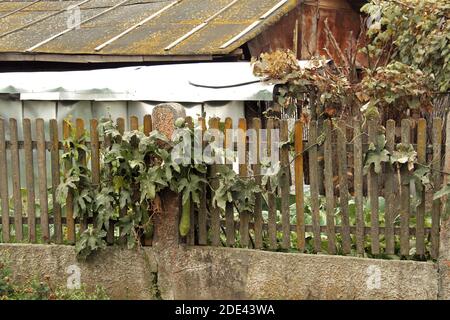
column 74, row 27
column 254, row 24
column 103, row 45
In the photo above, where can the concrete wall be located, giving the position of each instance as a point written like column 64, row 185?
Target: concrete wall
column 125, row 274
column 221, row 273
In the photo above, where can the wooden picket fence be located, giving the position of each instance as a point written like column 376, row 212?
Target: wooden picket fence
column 334, row 151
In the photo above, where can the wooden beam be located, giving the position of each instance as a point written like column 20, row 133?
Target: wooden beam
column 97, row 58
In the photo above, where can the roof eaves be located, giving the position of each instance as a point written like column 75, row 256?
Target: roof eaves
column 271, row 20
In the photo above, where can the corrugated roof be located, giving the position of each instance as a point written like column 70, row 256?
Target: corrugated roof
column 130, row 28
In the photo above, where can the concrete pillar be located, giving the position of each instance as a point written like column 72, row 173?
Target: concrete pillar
column 166, row 224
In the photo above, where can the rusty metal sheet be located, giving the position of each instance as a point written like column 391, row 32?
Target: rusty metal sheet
column 344, row 22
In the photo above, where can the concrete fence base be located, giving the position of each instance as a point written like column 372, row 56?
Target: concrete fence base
column 223, row 273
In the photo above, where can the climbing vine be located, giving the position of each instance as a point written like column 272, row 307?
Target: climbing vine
column 135, row 169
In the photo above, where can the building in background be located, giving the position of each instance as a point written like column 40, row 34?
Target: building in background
column 43, row 35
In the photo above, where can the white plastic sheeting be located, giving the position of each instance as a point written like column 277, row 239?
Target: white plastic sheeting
column 176, row 82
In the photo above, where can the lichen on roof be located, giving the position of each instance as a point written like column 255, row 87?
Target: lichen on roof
column 25, row 25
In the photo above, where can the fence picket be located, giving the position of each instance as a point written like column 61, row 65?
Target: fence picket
column 203, row 211
column 436, row 174
column 405, row 204
column 244, row 217
column 389, row 190
column 215, row 211
column 16, row 179
column 420, row 214
column 55, row 168
column 70, row 222
column 42, row 174
column 29, row 177
column 271, row 201
column 373, row 194
column 134, row 123
column 299, row 200
column 314, row 185
column 95, row 156
column 110, row 229
column 229, row 210
column 258, row 197
column 358, row 183
column 4, row 197
column 190, row 238
column 285, row 185
column 82, row 158
column 329, row 187
column 148, row 125
column 122, row 211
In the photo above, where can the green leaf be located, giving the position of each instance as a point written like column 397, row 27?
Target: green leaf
column 445, row 190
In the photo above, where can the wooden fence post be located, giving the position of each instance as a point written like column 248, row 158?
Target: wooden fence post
column 166, row 224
